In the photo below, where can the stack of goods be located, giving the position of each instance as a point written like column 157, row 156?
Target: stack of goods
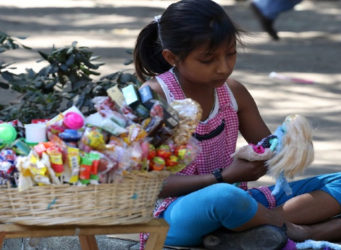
column 132, row 130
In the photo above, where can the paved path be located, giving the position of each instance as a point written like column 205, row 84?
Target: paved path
column 310, row 48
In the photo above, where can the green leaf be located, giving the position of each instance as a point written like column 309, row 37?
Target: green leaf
column 128, row 61
column 125, row 78
column 70, row 50
column 70, row 60
column 43, row 55
column 26, row 47
column 7, row 76
column 63, row 67
column 4, row 85
column 49, row 86
column 38, row 84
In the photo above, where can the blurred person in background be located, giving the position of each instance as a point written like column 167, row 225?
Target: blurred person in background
column 267, row 11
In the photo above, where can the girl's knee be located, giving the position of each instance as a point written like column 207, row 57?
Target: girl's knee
column 231, row 205
column 227, row 196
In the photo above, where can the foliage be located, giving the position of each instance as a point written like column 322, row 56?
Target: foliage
column 7, row 42
column 65, row 81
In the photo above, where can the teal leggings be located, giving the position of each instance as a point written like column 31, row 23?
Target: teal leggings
column 194, row 215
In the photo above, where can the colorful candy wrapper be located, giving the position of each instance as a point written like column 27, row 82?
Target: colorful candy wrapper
column 25, row 181
column 95, row 158
column 85, row 169
column 56, row 160
column 46, row 161
column 73, row 164
column 20, row 147
column 94, row 138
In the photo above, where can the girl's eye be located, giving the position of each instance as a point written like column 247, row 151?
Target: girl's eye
column 233, row 53
column 206, row 61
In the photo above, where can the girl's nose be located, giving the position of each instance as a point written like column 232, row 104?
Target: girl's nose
column 223, row 66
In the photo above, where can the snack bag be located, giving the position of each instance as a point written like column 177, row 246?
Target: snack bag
column 46, row 162
column 93, row 138
column 25, row 177
column 73, row 157
column 105, row 123
column 56, row 160
column 190, row 113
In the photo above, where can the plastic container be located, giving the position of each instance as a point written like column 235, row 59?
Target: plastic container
column 35, row 132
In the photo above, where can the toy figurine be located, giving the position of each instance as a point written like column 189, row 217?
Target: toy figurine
column 287, row 152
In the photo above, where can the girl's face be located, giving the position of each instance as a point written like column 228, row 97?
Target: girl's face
column 208, row 68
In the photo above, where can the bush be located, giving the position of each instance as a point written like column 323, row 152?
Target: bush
column 64, row 82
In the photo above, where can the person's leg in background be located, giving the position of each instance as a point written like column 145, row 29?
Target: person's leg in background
column 267, row 11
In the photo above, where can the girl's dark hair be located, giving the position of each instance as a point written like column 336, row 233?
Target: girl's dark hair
column 183, row 27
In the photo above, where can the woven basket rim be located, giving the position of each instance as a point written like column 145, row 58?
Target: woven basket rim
column 124, row 202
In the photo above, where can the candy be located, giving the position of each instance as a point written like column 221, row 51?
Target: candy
column 158, row 163
column 164, row 151
column 172, row 161
column 56, row 160
column 85, row 169
column 151, row 152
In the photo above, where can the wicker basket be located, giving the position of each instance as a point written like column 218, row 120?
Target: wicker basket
column 126, row 202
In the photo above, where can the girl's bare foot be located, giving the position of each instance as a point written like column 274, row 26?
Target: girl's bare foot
column 328, row 230
column 298, row 232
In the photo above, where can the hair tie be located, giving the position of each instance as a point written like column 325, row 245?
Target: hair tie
column 157, row 20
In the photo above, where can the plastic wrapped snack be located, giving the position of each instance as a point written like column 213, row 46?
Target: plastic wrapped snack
column 189, row 112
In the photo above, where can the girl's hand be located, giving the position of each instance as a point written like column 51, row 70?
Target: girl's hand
column 242, row 170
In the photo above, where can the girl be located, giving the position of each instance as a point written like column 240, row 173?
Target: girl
column 190, row 52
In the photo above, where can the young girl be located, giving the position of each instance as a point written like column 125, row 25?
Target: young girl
column 190, row 52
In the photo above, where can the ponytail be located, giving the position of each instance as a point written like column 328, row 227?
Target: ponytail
column 148, row 57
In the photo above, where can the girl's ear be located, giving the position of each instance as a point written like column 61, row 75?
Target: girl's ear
column 169, row 57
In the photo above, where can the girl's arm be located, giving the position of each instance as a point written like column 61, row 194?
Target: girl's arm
column 251, row 124
column 253, row 129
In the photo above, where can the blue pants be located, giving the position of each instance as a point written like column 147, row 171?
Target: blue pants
column 194, row 215
column 272, row 8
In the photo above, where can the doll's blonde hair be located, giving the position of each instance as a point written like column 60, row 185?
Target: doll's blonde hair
column 297, row 151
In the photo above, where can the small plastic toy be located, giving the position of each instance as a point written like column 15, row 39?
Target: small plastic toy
column 7, row 134
column 73, row 120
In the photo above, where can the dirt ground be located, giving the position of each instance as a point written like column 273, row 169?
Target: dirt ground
column 310, row 48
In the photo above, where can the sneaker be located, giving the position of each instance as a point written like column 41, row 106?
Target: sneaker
column 266, row 23
column 263, row 237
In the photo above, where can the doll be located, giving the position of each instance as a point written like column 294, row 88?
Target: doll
column 287, row 152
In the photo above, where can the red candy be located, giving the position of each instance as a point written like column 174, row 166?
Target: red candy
column 158, row 163
column 164, row 151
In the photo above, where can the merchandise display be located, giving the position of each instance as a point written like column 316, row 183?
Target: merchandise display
column 131, row 131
